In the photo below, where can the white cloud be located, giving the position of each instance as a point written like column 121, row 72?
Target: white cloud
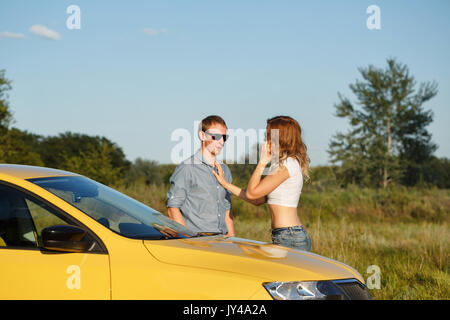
column 7, row 34
column 154, row 32
column 151, row 31
column 45, row 32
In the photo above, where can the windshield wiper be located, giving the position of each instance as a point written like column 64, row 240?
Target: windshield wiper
column 149, row 237
column 144, row 236
column 207, row 234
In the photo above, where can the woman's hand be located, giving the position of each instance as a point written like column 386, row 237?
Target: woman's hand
column 220, row 176
column 266, row 155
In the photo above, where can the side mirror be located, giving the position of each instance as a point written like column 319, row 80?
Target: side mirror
column 65, row 238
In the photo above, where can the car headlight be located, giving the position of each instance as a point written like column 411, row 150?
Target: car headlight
column 305, row 290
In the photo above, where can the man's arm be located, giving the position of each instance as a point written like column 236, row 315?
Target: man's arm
column 175, row 215
column 177, row 193
column 229, row 222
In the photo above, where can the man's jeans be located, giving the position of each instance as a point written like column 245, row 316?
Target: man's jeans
column 293, row 237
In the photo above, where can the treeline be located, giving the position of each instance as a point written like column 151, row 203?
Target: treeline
column 360, row 160
column 435, row 172
column 93, row 156
column 103, row 160
column 96, row 157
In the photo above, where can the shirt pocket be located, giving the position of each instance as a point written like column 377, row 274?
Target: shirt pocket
column 199, row 191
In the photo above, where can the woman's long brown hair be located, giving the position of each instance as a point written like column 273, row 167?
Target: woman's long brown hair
column 290, row 141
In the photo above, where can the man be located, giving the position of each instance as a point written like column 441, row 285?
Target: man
column 195, row 198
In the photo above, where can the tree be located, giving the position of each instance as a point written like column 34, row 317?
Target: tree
column 94, row 163
column 144, row 171
column 388, row 132
column 13, row 149
column 53, row 149
column 5, row 114
column 96, row 157
column 436, row 172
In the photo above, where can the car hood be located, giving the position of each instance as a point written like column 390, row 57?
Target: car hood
column 252, row 258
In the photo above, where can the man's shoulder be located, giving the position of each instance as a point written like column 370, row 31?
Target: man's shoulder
column 183, row 168
column 186, row 166
column 191, row 160
column 186, row 163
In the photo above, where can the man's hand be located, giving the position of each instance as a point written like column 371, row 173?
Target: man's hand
column 175, row 215
column 229, row 222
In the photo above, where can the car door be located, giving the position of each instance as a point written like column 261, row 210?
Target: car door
column 28, row 271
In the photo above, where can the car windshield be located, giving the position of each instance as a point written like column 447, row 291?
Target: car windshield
column 116, row 211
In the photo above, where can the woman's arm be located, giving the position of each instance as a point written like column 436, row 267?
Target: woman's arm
column 238, row 192
column 258, row 188
column 242, row 194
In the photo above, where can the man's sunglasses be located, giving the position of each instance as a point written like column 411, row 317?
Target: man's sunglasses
column 217, row 136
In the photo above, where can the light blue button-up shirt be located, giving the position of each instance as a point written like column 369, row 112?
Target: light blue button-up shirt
column 195, row 190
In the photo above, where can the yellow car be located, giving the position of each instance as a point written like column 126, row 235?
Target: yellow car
column 64, row 236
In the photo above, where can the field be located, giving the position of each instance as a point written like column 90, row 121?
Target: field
column 402, row 231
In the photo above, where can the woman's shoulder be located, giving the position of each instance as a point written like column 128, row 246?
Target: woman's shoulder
column 291, row 161
column 292, row 165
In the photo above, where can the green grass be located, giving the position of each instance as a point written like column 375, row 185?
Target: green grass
column 403, row 231
column 413, row 257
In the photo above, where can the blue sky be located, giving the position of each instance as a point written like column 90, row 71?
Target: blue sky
column 138, row 70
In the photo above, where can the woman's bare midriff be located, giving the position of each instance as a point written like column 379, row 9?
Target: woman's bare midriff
column 284, row 216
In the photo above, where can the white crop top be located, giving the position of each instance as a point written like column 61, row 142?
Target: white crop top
column 288, row 192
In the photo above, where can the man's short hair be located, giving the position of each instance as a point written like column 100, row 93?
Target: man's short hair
column 206, row 123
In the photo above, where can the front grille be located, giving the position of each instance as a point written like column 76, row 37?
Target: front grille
column 353, row 289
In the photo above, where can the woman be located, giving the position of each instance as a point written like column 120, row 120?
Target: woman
column 282, row 187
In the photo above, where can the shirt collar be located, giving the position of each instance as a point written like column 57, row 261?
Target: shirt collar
column 199, row 156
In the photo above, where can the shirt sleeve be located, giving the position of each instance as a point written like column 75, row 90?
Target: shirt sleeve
column 229, row 178
column 179, row 182
column 292, row 166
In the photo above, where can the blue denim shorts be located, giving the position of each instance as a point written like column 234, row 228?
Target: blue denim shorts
column 292, row 237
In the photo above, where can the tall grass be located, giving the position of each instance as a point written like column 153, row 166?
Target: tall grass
column 403, row 231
